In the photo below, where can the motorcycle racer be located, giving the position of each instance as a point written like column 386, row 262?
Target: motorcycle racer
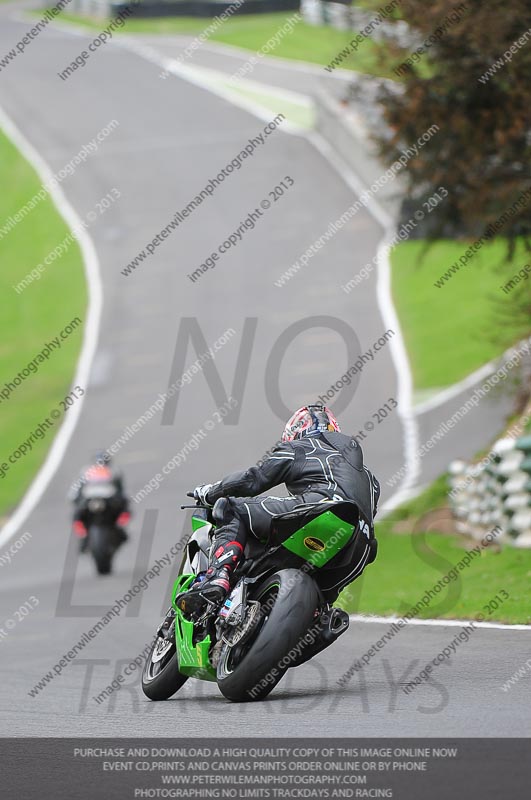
column 98, row 474
column 317, row 463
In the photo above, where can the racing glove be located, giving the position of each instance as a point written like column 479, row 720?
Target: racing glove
column 201, row 492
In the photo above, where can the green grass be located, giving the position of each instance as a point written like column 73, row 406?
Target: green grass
column 410, row 563
column 453, row 330
column 31, row 318
column 316, row 44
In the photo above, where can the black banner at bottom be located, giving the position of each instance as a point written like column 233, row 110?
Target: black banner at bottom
column 404, row 769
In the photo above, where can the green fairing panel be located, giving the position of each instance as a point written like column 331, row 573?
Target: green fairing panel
column 193, row 658
column 321, row 539
column 197, row 523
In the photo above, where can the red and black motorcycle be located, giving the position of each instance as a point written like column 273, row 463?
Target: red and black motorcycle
column 100, row 523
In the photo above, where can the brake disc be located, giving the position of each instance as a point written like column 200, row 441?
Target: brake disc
column 240, row 632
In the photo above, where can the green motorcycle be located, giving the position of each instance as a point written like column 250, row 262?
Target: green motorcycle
column 275, row 617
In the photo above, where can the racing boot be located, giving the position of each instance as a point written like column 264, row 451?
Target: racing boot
column 214, row 585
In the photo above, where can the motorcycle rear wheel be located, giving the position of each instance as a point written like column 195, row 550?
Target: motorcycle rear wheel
column 289, row 599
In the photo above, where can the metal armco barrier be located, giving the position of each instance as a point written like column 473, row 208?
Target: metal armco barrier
column 496, row 492
column 106, row 9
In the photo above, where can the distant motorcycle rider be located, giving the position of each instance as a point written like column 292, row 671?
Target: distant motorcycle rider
column 317, row 463
column 100, row 478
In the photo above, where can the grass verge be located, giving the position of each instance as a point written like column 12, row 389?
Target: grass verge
column 409, row 564
column 441, row 323
column 317, row 44
column 31, row 318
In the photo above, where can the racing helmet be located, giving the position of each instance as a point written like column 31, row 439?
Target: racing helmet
column 102, row 458
column 310, row 421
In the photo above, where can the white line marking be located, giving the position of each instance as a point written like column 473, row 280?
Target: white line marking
column 91, row 262
column 440, row 623
column 174, row 66
column 281, row 63
column 390, row 319
column 90, row 335
column 204, row 78
column 404, row 376
column 353, row 181
column 383, row 293
column 383, row 290
column 467, row 383
column 457, row 388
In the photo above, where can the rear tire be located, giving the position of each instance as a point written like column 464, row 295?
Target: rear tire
column 101, row 548
column 289, row 599
column 161, row 677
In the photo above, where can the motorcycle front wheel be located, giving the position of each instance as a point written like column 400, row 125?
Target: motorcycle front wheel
column 100, row 545
column 161, row 677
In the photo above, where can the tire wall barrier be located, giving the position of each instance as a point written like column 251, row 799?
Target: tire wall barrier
column 495, row 493
column 346, row 17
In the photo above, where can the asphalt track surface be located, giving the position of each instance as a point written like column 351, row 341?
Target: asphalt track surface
column 172, row 137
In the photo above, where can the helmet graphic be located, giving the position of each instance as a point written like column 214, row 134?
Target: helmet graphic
column 310, row 421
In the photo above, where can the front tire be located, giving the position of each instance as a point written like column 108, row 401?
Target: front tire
column 161, row 677
column 248, row 672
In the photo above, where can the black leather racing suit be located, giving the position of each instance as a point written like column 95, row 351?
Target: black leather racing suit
column 117, row 504
column 326, row 466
